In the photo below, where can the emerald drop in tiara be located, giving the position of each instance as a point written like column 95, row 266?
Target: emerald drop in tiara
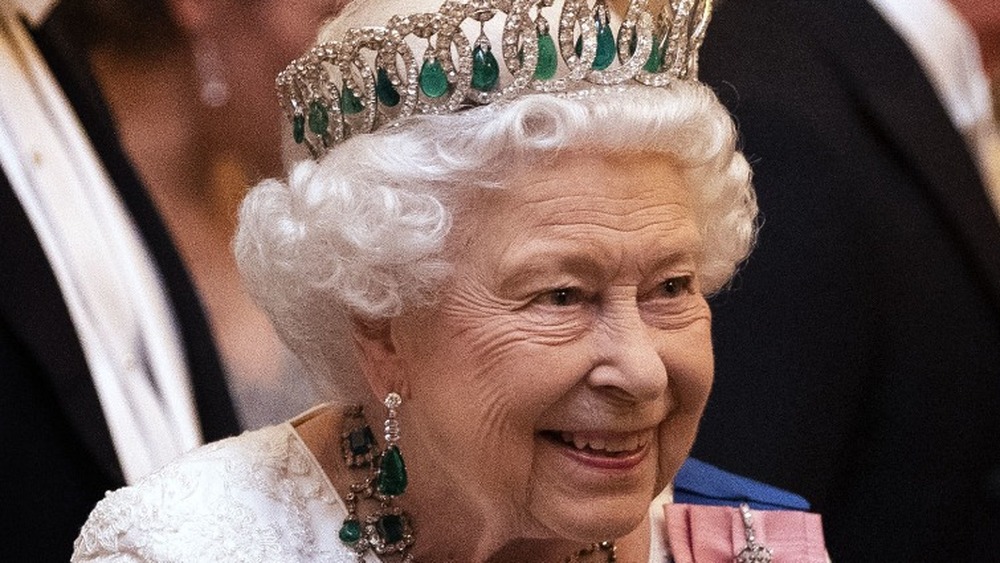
column 371, row 77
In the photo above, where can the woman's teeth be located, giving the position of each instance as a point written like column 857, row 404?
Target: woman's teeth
column 610, row 444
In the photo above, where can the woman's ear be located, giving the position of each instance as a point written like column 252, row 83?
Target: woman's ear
column 378, row 357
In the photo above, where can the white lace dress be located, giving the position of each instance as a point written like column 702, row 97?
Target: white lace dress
column 259, row 497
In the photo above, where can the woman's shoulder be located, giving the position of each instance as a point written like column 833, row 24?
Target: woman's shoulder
column 260, row 496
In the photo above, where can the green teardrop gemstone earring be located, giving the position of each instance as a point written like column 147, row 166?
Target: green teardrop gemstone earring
column 373, row 521
column 391, row 470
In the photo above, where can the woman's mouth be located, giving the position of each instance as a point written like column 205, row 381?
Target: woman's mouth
column 604, row 450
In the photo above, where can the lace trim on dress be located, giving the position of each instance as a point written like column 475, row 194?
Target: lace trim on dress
column 260, row 497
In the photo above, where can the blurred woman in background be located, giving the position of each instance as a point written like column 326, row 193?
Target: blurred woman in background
column 189, row 84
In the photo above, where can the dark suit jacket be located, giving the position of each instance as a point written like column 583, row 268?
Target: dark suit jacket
column 858, row 353
column 58, row 456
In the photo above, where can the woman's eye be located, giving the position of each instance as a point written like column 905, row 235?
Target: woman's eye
column 561, row 297
column 675, row 287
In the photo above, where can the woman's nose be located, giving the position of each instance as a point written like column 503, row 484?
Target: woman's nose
column 630, row 364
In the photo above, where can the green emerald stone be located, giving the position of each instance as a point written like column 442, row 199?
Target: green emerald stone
column 319, row 119
column 384, row 89
column 391, row 473
column 433, row 82
column 361, row 440
column 350, row 103
column 485, row 69
column 655, row 60
column 547, row 61
column 350, row 532
column 605, row 47
column 299, row 128
column 390, row 528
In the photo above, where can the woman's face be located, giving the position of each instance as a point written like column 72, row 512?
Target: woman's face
column 557, row 385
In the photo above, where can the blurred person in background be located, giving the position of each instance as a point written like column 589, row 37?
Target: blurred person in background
column 860, row 347
column 189, row 84
column 984, row 18
column 107, row 366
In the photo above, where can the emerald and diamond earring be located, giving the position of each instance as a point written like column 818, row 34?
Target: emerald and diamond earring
column 387, row 529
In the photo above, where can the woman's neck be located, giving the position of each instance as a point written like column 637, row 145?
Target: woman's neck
column 196, row 175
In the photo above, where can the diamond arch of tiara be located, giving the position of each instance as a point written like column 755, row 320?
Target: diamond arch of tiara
column 333, row 91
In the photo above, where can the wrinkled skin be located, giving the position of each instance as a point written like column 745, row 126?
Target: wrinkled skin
column 574, row 313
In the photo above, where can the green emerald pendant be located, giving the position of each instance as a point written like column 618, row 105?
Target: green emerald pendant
column 386, row 92
column 350, row 103
column 433, row 82
column 605, row 47
column 655, row 60
column 361, row 440
column 350, row 532
column 391, row 473
column 390, row 528
column 547, row 61
column 319, row 119
column 485, row 69
column 299, row 128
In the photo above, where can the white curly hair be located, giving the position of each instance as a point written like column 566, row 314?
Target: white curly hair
column 362, row 232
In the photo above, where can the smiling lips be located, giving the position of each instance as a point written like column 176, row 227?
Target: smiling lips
column 603, row 450
column 610, row 444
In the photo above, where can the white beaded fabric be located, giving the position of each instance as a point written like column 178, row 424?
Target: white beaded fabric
column 260, row 497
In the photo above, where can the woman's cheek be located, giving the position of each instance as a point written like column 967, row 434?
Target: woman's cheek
column 676, row 436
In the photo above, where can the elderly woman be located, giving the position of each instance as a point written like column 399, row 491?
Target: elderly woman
column 520, row 257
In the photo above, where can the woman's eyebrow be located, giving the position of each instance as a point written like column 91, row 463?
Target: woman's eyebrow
column 529, row 264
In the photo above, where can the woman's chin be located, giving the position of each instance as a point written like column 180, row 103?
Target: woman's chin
column 590, row 495
column 588, row 522
column 596, row 468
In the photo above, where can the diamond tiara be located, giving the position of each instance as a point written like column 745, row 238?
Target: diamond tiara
column 371, row 78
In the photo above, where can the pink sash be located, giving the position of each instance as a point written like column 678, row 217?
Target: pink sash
column 716, row 534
